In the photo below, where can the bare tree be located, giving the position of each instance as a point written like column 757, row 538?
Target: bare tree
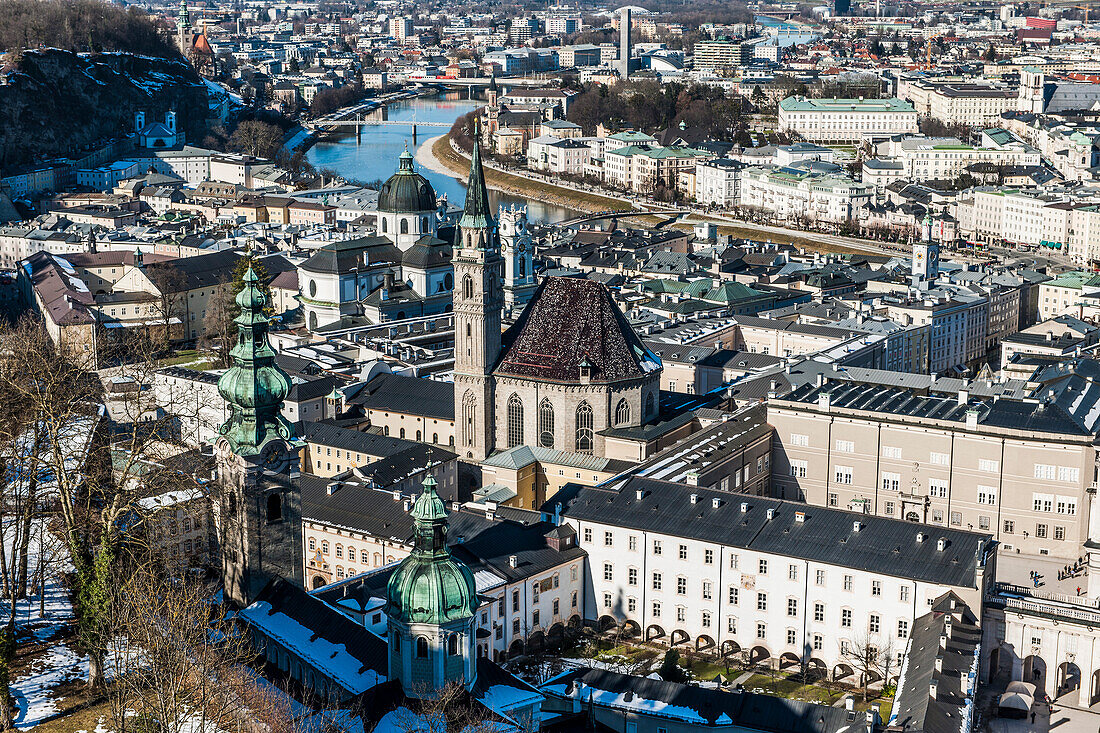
column 449, row 708
column 171, row 284
column 870, row 655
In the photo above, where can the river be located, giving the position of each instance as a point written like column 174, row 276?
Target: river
column 374, row 157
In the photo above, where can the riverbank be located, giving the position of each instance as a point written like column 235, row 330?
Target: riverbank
column 437, row 155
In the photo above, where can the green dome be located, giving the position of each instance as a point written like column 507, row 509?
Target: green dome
column 406, row 191
column 430, row 586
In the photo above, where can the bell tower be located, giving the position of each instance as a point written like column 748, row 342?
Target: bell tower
column 477, row 312
column 259, row 508
column 431, row 605
column 516, row 248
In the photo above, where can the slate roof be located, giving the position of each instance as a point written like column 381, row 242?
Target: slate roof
column 342, row 256
column 884, row 546
column 412, row 395
column 570, row 321
column 370, row 444
column 914, row 709
column 1033, row 416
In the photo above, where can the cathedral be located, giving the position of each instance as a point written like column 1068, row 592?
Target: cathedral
column 568, row 370
column 405, row 269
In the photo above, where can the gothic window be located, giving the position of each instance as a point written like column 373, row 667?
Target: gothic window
column 467, row 287
column 622, row 413
column 422, row 647
column 546, row 424
column 424, row 224
column 385, row 228
column 469, row 341
column 515, row 421
column 452, row 645
column 231, row 503
column 468, row 418
column 649, row 405
column 404, row 226
column 584, row 428
column 274, row 508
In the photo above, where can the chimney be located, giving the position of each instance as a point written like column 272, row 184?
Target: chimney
column 744, row 507
column 693, row 480
column 850, row 704
column 857, row 526
column 932, row 690
column 771, row 513
column 800, row 517
column 639, row 494
column 964, row 396
column 715, row 503
column 512, row 561
column 407, row 505
column 331, row 488
column 920, row 537
column 972, row 419
column 941, row 544
column 694, row 497
column 824, row 401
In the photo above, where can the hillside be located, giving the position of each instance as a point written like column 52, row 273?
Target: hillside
column 60, row 103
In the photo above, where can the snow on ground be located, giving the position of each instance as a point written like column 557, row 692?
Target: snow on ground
column 34, row 689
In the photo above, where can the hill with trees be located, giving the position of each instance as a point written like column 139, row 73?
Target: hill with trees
column 88, row 26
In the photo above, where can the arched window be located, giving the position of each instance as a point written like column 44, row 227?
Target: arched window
column 421, row 647
column 546, row 424
column 448, row 281
column 417, row 436
column 649, row 405
column 424, row 224
column 584, row 428
column 515, row 421
column 402, row 433
column 231, row 503
column 622, row 413
column 468, row 418
column 522, row 269
column 452, row 644
column 469, row 341
column 467, row 287
column 435, row 437
column 404, row 226
column 385, row 226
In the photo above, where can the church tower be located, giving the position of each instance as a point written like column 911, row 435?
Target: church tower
column 926, row 256
column 260, row 514
column 184, row 38
column 516, row 248
column 477, row 305
column 431, row 605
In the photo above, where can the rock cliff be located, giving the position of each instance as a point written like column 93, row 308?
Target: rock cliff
column 61, row 104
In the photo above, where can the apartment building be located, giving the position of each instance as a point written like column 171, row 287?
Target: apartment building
column 784, row 582
column 558, row 155
column 846, row 120
column 795, row 192
column 717, row 182
column 959, row 103
column 1062, row 295
column 641, row 168
column 1020, row 470
column 925, row 158
column 178, row 524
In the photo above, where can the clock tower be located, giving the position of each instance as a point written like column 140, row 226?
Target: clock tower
column 926, row 256
column 259, row 503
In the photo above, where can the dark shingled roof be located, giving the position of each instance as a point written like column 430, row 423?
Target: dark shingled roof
column 884, row 546
column 410, row 395
column 567, row 322
column 916, row 711
column 342, row 256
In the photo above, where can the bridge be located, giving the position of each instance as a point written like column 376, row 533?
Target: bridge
column 533, row 82
column 359, row 121
column 612, row 214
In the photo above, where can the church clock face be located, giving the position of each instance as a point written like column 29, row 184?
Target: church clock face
column 275, row 456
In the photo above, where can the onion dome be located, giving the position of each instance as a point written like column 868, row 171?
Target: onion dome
column 430, row 586
column 254, row 387
column 406, row 191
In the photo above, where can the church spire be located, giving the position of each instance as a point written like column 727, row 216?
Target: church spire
column 254, row 387
column 477, row 214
